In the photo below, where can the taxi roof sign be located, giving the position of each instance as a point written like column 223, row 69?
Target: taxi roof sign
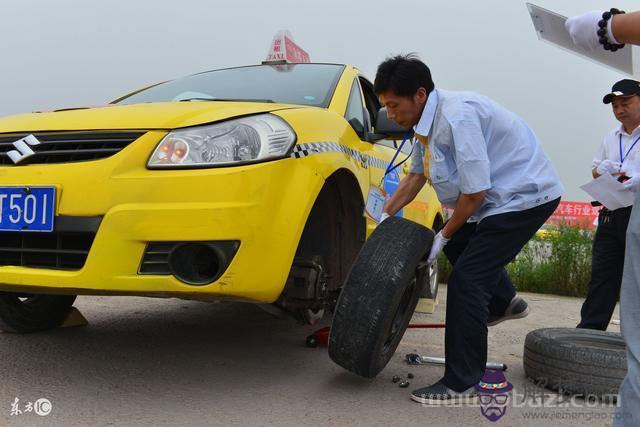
column 284, row 50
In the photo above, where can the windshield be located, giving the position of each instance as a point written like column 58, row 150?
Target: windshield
column 306, row 84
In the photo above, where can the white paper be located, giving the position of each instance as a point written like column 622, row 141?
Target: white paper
column 607, row 190
column 549, row 27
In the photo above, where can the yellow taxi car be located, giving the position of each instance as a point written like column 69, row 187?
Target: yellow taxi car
column 244, row 184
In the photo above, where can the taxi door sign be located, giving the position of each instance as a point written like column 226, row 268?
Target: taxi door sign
column 390, row 185
column 284, row 49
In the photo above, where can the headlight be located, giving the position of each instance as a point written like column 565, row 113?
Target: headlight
column 244, row 140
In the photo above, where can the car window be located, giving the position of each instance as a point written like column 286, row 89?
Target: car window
column 306, row 84
column 355, row 110
column 373, row 106
column 371, row 100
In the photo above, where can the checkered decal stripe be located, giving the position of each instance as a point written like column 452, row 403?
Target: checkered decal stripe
column 304, row 150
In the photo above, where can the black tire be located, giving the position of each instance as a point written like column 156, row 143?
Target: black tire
column 379, row 297
column 576, row 361
column 25, row 313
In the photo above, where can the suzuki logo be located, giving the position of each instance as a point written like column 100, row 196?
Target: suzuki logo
column 23, row 151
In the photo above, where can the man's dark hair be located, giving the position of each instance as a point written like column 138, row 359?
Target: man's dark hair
column 403, row 75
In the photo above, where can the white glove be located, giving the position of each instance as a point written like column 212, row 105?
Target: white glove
column 584, row 30
column 383, row 217
column 439, row 242
column 633, row 183
column 608, row 166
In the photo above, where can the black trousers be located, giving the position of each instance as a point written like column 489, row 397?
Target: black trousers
column 479, row 284
column 607, row 263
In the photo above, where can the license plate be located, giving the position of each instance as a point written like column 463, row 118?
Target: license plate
column 27, row 208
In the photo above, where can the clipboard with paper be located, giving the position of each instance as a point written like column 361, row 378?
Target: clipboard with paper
column 609, row 191
column 549, row 27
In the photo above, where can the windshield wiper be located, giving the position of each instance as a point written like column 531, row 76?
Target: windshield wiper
column 270, row 101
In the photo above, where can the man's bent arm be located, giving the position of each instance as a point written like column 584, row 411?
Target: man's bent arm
column 466, row 206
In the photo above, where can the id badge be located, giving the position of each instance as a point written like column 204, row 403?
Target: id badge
column 375, row 202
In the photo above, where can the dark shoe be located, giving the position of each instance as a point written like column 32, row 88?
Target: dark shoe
column 440, row 394
column 518, row 308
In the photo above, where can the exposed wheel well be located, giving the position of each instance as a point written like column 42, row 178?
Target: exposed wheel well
column 332, row 238
column 336, row 228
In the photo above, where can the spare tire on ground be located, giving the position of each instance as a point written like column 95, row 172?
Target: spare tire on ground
column 379, row 296
column 576, row 361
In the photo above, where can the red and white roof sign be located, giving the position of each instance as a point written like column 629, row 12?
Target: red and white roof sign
column 283, row 48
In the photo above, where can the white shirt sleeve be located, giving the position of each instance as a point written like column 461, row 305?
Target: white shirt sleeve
column 417, row 159
column 601, row 155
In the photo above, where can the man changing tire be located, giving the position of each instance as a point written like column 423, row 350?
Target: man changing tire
column 486, row 164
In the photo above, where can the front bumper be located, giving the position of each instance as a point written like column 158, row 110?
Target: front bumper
column 263, row 206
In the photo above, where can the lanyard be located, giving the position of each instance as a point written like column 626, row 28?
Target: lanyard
column 622, row 159
column 391, row 167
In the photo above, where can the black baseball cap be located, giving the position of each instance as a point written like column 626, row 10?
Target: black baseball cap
column 626, row 87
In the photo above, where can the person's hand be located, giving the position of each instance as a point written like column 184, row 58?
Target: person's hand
column 439, row 242
column 633, row 183
column 383, row 217
column 608, row 166
column 583, row 29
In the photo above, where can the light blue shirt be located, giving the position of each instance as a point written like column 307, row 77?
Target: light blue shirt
column 477, row 145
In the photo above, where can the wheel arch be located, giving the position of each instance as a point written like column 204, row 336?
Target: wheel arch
column 335, row 228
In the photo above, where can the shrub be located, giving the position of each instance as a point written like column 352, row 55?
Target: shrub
column 556, row 262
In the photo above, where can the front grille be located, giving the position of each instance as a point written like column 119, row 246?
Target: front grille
column 64, row 249
column 64, row 147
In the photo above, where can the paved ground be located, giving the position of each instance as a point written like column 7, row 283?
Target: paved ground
column 171, row 362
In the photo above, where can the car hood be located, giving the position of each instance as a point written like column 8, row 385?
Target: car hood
column 148, row 116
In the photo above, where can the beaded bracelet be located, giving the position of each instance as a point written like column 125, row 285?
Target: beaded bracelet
column 602, row 30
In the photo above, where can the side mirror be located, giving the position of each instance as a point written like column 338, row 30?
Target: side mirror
column 388, row 129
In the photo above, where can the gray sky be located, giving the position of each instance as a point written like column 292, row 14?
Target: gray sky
column 84, row 52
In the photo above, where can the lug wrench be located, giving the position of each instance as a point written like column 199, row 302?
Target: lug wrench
column 416, row 359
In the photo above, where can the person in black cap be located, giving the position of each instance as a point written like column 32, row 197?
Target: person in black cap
column 620, row 157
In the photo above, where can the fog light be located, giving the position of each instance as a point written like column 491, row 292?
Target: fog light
column 197, row 263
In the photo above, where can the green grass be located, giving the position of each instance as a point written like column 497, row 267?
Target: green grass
column 558, row 263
